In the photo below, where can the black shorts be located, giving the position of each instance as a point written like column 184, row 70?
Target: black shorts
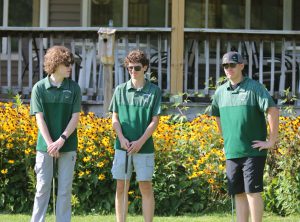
column 245, row 175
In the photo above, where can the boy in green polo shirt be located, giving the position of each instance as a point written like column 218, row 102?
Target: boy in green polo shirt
column 55, row 102
column 135, row 106
column 239, row 106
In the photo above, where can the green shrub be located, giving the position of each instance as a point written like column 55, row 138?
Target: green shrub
column 189, row 172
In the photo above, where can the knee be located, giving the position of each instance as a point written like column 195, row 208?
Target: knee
column 42, row 188
column 254, row 195
column 146, row 188
column 120, row 187
column 240, row 196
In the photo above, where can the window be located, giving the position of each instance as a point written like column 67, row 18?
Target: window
column 266, row 14
column 296, row 15
column 146, row 13
column 221, row 14
column 107, row 13
column 140, row 13
column 230, row 14
column 194, row 14
column 1, row 11
column 20, row 13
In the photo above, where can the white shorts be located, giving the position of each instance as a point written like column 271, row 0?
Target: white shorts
column 143, row 164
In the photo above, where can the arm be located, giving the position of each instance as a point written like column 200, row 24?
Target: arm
column 117, row 127
column 273, row 120
column 54, row 147
column 43, row 128
column 219, row 124
column 135, row 146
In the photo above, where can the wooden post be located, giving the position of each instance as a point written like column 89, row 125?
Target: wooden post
column 106, row 52
column 177, row 45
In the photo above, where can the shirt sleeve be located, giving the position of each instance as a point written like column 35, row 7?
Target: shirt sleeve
column 215, row 107
column 77, row 100
column 113, row 107
column 264, row 99
column 36, row 105
column 157, row 103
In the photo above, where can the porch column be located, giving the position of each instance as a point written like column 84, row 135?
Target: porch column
column 44, row 13
column 177, row 46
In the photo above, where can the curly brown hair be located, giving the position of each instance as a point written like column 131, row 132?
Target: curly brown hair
column 136, row 56
column 55, row 56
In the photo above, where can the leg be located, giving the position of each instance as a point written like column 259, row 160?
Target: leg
column 235, row 178
column 44, row 174
column 118, row 171
column 119, row 200
column 253, row 174
column 144, row 167
column 66, row 163
column 147, row 200
column 242, row 207
column 256, row 206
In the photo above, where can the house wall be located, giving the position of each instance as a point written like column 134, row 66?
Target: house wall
column 64, row 13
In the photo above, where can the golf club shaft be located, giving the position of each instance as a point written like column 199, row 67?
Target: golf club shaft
column 125, row 187
column 53, row 185
column 232, row 209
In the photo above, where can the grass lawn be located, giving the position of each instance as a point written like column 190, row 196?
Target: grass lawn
column 111, row 218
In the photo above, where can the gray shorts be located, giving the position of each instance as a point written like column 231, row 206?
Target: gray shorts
column 143, row 164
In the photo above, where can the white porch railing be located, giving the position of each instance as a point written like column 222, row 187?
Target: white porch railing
column 272, row 57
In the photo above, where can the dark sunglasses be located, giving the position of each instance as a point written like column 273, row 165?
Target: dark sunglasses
column 227, row 65
column 135, row 68
column 67, row 64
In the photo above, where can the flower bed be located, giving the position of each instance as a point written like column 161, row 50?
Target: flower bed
column 189, row 172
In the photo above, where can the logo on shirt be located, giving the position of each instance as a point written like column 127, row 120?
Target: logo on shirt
column 67, row 94
column 146, row 97
column 242, row 96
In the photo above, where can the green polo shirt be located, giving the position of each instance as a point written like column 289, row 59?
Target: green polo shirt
column 242, row 115
column 135, row 108
column 57, row 105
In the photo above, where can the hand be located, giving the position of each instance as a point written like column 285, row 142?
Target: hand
column 56, row 154
column 53, row 148
column 124, row 143
column 261, row 145
column 135, row 147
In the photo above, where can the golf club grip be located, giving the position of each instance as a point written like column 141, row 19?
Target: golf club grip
column 126, row 162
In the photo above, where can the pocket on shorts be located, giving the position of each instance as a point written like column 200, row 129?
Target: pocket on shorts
column 116, row 162
column 149, row 161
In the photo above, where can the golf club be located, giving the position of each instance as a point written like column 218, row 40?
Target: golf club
column 125, row 189
column 53, row 185
column 232, row 209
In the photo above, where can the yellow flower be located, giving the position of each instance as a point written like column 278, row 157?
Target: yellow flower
column 31, row 142
column 221, row 167
column 95, row 153
column 101, row 176
column 80, row 174
column 11, row 161
column 9, row 145
column 4, row 171
column 211, row 181
column 100, row 164
column 281, row 151
column 87, row 172
column 27, row 151
column 86, row 159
